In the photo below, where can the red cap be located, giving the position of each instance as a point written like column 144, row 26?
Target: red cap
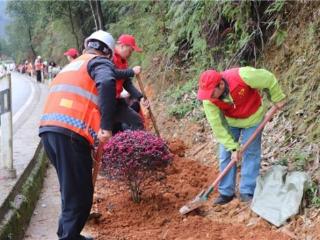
column 129, row 40
column 72, row 52
column 207, row 82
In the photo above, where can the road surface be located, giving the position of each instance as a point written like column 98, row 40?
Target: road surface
column 21, row 90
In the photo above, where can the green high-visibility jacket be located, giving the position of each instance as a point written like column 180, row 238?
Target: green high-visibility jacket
column 260, row 79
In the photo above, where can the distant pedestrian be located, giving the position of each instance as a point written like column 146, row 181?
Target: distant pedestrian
column 29, row 68
column 45, row 70
column 38, row 65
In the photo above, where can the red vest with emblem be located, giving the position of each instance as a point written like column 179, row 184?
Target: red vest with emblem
column 121, row 64
column 246, row 100
column 73, row 101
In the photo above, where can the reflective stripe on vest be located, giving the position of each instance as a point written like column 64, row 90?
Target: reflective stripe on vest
column 73, row 101
column 74, row 89
column 70, row 121
column 73, row 66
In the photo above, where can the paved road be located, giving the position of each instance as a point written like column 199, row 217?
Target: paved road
column 25, row 94
column 21, row 90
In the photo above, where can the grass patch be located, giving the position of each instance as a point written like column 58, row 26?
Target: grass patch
column 180, row 110
column 312, row 194
column 300, row 160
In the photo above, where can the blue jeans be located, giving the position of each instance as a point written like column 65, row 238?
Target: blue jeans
column 249, row 167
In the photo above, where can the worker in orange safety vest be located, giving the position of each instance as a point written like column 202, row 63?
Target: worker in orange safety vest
column 79, row 113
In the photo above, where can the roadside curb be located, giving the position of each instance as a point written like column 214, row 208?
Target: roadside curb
column 17, row 209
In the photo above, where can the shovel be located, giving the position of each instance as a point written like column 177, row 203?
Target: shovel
column 97, row 158
column 149, row 108
column 203, row 196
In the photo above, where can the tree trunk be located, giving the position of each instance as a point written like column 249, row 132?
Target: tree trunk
column 99, row 15
column 92, row 4
column 72, row 26
column 31, row 46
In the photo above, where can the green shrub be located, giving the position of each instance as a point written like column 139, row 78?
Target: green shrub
column 180, row 110
column 313, row 195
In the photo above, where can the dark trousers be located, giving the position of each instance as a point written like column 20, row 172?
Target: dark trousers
column 38, row 76
column 126, row 118
column 73, row 163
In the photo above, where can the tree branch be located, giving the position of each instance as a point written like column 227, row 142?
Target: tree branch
column 72, row 26
column 91, row 3
column 100, row 15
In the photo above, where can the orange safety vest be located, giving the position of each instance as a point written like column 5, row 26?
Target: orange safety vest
column 73, row 101
column 38, row 65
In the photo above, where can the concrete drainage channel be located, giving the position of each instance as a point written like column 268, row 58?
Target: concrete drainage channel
column 18, row 208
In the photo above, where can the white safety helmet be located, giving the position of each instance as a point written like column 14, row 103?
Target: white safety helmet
column 102, row 36
column 39, row 57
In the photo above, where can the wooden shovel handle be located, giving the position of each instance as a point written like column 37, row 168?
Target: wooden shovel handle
column 149, row 108
column 97, row 158
column 266, row 119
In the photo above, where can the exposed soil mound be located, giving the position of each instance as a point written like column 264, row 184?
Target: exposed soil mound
column 177, row 147
column 157, row 216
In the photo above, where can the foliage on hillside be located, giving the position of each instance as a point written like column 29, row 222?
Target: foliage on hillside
column 182, row 41
column 179, row 30
column 296, row 63
column 182, row 38
column 47, row 28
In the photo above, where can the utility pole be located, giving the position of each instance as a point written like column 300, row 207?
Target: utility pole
column 6, row 151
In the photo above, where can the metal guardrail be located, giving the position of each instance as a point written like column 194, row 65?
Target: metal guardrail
column 6, row 129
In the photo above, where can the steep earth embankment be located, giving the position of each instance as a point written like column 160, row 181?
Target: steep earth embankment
column 292, row 139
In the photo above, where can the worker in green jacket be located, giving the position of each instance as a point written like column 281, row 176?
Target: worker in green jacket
column 233, row 106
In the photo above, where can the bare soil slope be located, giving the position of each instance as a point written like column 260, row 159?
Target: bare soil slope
column 158, row 217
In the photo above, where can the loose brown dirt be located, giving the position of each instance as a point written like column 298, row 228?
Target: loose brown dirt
column 158, row 217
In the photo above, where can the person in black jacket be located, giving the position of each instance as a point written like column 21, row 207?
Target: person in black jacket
column 129, row 105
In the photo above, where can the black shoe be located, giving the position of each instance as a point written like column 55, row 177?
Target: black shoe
column 246, row 197
column 222, row 199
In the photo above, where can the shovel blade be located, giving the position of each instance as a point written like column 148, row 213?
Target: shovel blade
column 194, row 204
